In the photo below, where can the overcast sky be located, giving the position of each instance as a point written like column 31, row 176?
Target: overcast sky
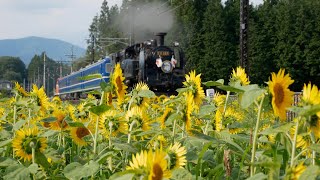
column 66, row 20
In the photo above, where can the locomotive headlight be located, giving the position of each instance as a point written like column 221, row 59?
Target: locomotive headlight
column 166, row 67
column 148, row 43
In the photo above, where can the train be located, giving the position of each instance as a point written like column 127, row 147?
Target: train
column 161, row 67
column 74, row 85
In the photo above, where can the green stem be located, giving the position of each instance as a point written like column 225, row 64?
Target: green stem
column 294, row 143
column 95, row 137
column 303, row 151
column 130, row 129
column 97, row 126
column 313, row 139
column 32, row 145
column 254, row 142
column 110, row 144
column 224, row 108
column 129, row 140
column 206, row 128
column 174, row 129
column 14, row 115
column 29, row 117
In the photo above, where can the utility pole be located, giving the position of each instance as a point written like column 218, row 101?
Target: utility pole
column 60, row 66
column 93, row 41
column 244, row 19
column 72, row 56
column 38, row 81
column 44, row 70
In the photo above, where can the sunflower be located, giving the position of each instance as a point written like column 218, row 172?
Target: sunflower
column 164, row 117
column 60, row 123
column 177, row 155
column 310, row 94
column 72, row 111
column 231, row 115
column 142, row 102
column 20, row 90
column 22, row 140
column 136, row 114
column 282, row 97
column 240, row 75
column 188, row 110
column 139, row 161
column 77, row 135
column 91, row 97
column 41, row 97
column 108, row 98
column 158, row 165
column 296, row 172
column 112, row 117
column 56, row 100
column 194, row 83
column 82, row 113
column 315, row 125
column 219, row 99
column 117, row 82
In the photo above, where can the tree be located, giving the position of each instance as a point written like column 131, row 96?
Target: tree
column 216, row 63
column 35, row 72
column 12, row 69
column 262, row 41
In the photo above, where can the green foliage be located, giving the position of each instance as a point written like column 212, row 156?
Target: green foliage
column 12, row 69
column 35, row 72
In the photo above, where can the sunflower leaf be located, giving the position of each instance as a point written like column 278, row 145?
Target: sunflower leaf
column 181, row 174
column 19, row 124
column 214, row 83
column 75, row 124
column 230, row 88
column 125, row 147
column 5, row 162
column 17, row 171
column 6, row 142
column 207, row 111
column 309, row 110
column 310, row 173
column 258, row 176
column 75, row 170
column 33, row 168
column 42, row 160
column 146, row 93
column 105, row 86
column 315, row 147
column 99, row 109
column 49, row 119
column 182, row 90
column 124, row 175
column 279, row 129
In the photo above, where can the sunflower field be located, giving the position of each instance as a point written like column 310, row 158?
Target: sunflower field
column 243, row 133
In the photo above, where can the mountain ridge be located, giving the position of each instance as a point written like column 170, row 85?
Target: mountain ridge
column 25, row 48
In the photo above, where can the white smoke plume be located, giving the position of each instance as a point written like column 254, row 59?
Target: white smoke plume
column 142, row 21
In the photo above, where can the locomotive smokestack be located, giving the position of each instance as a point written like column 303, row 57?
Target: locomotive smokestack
column 160, row 38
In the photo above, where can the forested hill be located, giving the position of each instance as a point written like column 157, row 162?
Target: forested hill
column 26, row 48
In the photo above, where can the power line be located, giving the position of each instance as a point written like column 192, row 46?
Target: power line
column 72, row 56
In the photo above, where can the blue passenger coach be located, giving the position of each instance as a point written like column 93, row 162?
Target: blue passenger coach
column 73, row 85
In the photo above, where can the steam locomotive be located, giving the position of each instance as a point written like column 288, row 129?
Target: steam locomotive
column 159, row 66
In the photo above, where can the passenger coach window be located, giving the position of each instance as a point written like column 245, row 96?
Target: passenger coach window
column 108, row 67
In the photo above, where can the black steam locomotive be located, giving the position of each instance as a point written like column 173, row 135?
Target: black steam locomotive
column 159, row 66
